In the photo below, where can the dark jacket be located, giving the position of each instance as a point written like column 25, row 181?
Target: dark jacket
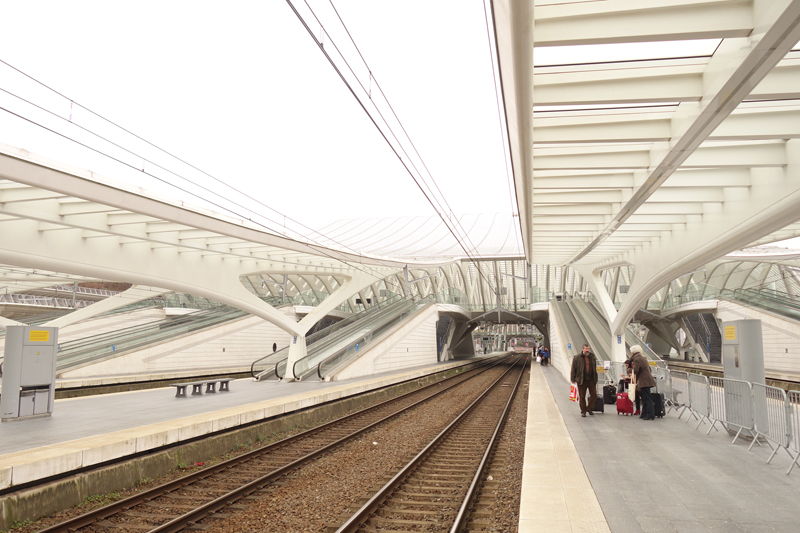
column 644, row 377
column 578, row 372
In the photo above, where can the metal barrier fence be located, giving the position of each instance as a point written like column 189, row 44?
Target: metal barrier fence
column 771, row 410
column 616, row 372
column 793, row 408
column 762, row 412
column 664, row 386
column 681, row 396
column 732, row 405
column 700, row 396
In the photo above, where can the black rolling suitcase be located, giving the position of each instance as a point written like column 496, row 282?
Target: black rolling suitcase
column 599, row 405
column 609, row 394
column 658, row 404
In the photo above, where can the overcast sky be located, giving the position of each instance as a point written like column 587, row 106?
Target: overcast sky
column 243, row 93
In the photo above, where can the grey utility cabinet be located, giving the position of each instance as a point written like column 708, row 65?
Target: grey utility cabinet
column 29, row 372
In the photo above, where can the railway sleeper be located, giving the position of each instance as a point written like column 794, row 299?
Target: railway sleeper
column 160, row 505
column 107, row 524
column 445, row 469
column 404, row 495
column 377, row 520
column 432, row 483
column 445, row 477
column 400, row 506
column 152, row 516
column 391, row 514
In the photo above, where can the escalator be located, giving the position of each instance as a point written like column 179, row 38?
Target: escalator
column 782, row 303
column 631, row 338
column 88, row 350
column 581, row 322
column 337, row 344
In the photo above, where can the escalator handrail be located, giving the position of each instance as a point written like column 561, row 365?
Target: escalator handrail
column 372, row 322
column 422, row 305
column 325, row 335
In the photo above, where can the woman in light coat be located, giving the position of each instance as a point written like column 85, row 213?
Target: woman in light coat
column 644, row 381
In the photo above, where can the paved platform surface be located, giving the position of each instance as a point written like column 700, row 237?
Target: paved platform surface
column 557, row 495
column 665, row 476
column 90, row 430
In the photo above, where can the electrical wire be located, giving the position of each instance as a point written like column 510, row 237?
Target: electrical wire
column 383, row 134
column 451, row 215
column 501, row 123
column 226, row 209
column 316, row 249
column 169, row 154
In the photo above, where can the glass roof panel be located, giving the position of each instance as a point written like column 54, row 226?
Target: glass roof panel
column 615, row 52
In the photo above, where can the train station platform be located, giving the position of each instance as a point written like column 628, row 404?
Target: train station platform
column 93, row 430
column 645, row 476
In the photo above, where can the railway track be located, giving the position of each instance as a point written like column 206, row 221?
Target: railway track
column 440, row 488
column 214, row 492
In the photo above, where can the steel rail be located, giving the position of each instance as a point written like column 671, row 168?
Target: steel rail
column 182, row 521
column 461, row 517
column 353, row 524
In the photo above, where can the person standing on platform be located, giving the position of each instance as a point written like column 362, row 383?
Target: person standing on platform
column 627, row 379
column 584, row 374
column 644, row 381
column 545, row 356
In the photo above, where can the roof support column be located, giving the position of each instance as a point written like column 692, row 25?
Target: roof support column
column 596, row 286
column 357, row 281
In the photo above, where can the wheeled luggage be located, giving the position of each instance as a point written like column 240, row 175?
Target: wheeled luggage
column 609, row 394
column 624, row 404
column 599, row 405
column 658, row 404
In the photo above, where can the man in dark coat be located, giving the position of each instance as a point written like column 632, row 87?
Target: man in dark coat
column 644, row 381
column 584, row 373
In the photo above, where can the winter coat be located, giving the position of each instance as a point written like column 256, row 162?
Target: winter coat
column 578, row 370
column 644, row 377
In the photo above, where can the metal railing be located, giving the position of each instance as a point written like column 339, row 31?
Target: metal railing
column 764, row 413
column 700, row 397
column 793, row 400
column 336, row 361
column 681, row 393
column 84, row 290
column 42, row 301
column 772, row 420
column 274, row 364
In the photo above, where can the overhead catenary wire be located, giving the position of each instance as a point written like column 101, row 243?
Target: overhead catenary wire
column 319, row 249
column 501, row 123
column 338, row 71
column 378, row 277
column 73, row 102
column 446, row 207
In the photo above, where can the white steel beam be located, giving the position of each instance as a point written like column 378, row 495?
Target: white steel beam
column 513, row 29
column 734, row 73
column 631, row 21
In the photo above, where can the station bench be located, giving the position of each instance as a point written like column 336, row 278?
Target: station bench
column 197, row 386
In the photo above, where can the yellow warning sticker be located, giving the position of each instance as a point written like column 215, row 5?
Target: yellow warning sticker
column 730, row 333
column 652, row 363
column 37, row 335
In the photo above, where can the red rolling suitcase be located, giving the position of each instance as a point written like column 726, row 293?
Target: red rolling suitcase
column 624, row 404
